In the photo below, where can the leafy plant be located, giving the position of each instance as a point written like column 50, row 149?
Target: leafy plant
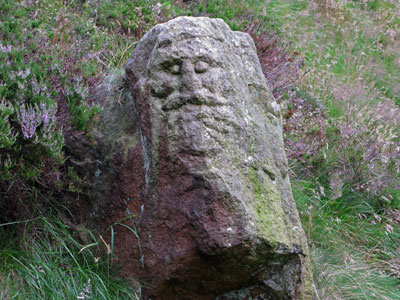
column 82, row 114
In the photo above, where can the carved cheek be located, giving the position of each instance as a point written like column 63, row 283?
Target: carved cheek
column 201, row 67
column 163, row 86
column 213, row 80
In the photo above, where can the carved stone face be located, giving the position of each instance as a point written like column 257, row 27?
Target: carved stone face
column 188, row 73
column 188, row 86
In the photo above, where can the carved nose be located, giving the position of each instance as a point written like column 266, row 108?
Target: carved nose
column 190, row 81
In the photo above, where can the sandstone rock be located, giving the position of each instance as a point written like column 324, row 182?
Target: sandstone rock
column 218, row 220
column 194, row 163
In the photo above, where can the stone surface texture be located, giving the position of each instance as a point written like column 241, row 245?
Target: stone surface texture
column 193, row 162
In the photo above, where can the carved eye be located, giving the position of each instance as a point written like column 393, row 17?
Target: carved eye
column 201, row 67
column 175, row 69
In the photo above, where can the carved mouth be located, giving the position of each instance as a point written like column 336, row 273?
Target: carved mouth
column 177, row 100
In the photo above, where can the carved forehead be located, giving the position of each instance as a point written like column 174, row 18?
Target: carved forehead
column 184, row 37
column 191, row 48
column 188, row 27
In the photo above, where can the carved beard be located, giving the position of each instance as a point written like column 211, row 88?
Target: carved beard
column 188, row 97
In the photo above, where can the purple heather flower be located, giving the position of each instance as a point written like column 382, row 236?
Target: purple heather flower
column 24, row 74
column 30, row 117
column 5, row 49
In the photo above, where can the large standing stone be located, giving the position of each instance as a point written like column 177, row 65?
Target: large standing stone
column 193, row 162
column 218, row 220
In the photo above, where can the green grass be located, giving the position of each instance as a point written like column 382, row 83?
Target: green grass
column 51, row 262
column 345, row 43
column 353, row 248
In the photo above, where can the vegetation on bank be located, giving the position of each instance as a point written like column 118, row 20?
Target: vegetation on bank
column 48, row 261
column 333, row 65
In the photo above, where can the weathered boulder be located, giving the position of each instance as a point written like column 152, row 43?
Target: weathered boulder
column 194, row 158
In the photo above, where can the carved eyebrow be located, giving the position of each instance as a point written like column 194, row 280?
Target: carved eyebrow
column 205, row 57
column 212, row 60
column 167, row 62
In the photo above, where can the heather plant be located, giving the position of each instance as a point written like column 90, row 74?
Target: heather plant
column 281, row 65
column 29, row 126
column 32, row 80
column 82, row 114
column 51, row 60
column 8, row 137
column 359, row 150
